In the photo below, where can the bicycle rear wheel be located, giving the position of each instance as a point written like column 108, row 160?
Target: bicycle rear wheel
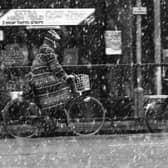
column 86, row 115
column 20, row 119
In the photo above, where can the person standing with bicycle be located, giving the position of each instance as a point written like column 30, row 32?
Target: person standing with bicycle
column 54, row 91
column 47, row 78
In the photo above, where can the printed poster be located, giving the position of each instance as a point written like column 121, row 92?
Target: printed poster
column 70, row 56
column 113, row 42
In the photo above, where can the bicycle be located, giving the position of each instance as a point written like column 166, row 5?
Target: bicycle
column 84, row 114
column 156, row 112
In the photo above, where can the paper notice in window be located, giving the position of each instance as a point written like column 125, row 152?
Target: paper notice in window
column 113, row 42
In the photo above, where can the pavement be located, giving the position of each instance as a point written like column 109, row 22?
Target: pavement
column 109, row 127
column 109, row 151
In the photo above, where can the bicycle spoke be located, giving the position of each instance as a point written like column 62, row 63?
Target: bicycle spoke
column 19, row 122
column 86, row 116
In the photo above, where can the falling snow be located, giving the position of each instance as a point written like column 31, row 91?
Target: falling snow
column 113, row 79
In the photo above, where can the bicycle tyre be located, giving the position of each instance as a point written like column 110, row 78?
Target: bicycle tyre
column 155, row 121
column 22, row 125
column 86, row 116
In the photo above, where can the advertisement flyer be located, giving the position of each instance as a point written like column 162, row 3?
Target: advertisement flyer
column 113, row 42
column 70, row 56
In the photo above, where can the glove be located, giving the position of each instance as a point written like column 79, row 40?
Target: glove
column 70, row 77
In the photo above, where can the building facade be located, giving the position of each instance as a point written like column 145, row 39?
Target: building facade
column 107, row 44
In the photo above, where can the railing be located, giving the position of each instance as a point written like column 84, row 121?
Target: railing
column 113, row 84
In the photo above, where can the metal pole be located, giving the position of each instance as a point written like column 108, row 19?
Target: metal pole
column 139, row 97
column 157, row 42
column 131, row 50
column 139, row 47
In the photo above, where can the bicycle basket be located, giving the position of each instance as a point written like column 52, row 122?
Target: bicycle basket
column 82, row 82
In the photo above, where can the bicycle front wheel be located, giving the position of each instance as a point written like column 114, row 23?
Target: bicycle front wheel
column 86, row 115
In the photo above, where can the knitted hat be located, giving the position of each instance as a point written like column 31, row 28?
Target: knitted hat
column 52, row 35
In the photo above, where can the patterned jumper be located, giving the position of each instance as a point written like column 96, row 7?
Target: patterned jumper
column 48, row 80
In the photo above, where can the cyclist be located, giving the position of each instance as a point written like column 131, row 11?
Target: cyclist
column 47, row 79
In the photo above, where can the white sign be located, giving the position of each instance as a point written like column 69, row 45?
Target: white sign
column 113, row 42
column 1, row 35
column 30, row 17
column 139, row 10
